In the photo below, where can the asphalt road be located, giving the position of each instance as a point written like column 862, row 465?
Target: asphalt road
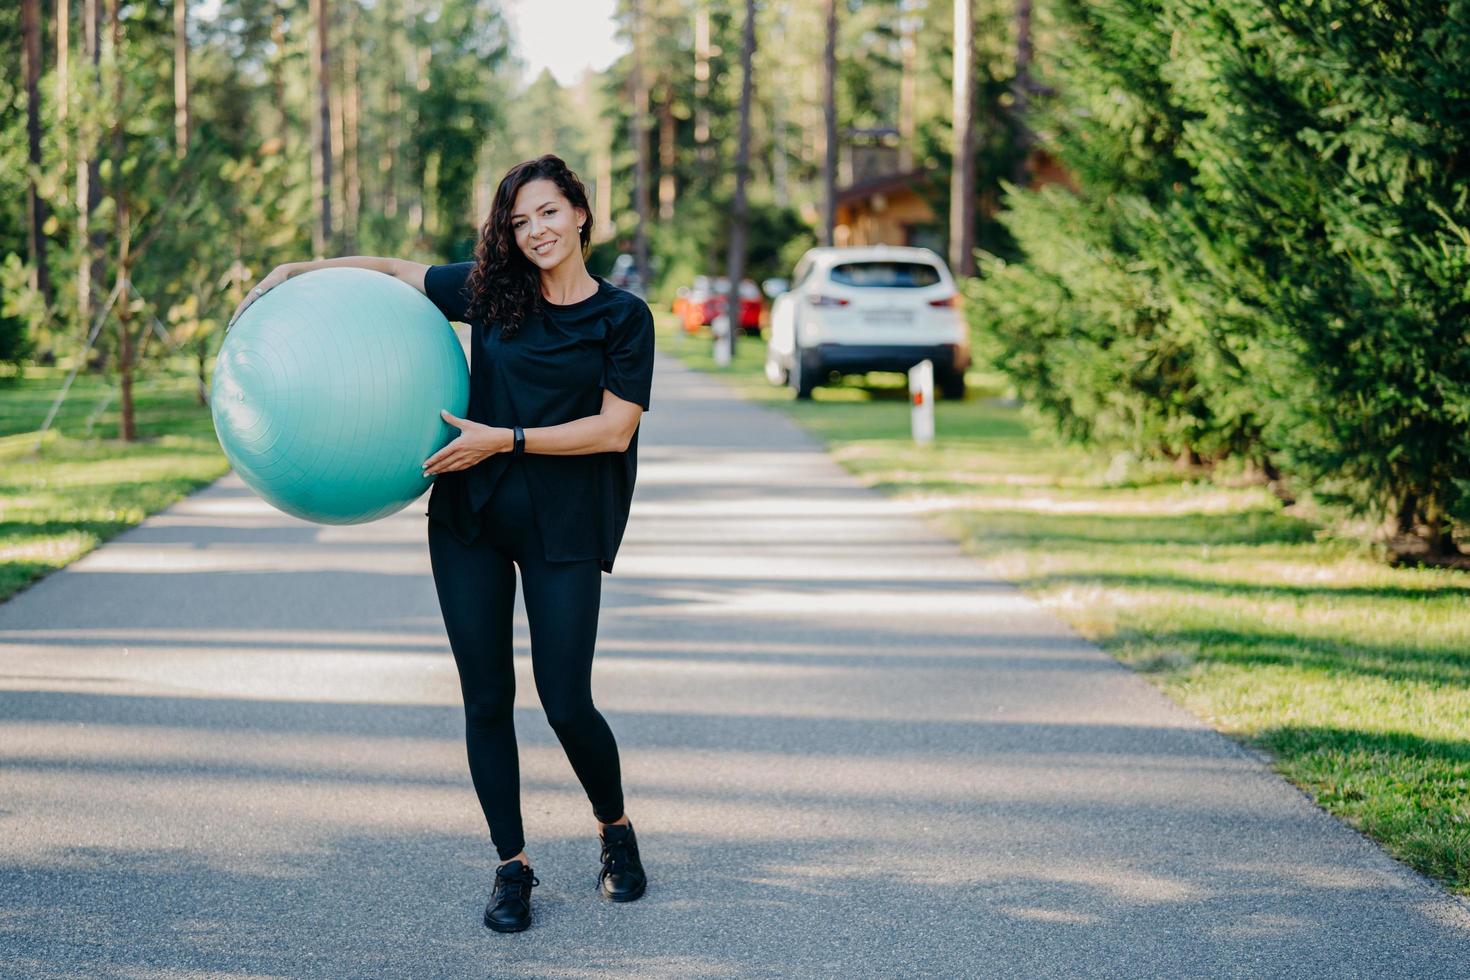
column 231, row 746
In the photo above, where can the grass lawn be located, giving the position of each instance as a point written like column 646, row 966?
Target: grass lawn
column 1354, row 677
column 85, row 486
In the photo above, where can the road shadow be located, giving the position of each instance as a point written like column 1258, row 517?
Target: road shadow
column 387, row 904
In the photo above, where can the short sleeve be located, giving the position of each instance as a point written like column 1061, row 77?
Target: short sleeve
column 627, row 362
column 446, row 286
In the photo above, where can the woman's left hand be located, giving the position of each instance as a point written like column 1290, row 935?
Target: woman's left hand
column 474, row 443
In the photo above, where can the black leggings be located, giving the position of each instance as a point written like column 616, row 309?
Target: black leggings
column 477, row 588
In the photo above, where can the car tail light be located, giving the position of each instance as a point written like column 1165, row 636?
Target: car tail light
column 817, row 300
column 947, row 302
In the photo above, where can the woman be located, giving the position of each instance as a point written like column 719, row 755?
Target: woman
column 540, row 476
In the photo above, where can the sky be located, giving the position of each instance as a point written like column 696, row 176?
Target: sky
column 566, row 36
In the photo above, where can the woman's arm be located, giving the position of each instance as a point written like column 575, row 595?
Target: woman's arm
column 400, row 269
column 609, row 431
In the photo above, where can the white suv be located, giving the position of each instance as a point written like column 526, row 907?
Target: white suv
column 873, row 308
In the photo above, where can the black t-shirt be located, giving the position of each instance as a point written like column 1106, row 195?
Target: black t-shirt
column 551, row 371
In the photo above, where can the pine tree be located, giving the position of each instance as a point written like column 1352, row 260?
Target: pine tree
column 1332, row 153
column 1086, row 325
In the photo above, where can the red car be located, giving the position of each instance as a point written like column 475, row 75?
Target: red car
column 706, row 300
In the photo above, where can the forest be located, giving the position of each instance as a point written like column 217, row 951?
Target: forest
column 1231, row 233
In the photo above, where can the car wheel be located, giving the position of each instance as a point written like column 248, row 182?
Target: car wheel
column 775, row 373
column 802, row 378
column 952, row 386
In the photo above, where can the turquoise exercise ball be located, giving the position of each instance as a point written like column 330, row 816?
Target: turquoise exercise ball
column 327, row 394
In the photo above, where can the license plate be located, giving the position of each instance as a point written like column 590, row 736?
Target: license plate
column 887, row 317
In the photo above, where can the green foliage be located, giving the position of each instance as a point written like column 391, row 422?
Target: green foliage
column 1330, row 197
column 998, row 149
column 13, row 163
column 454, row 110
column 201, row 227
column 1086, row 326
column 16, row 343
column 692, row 121
column 1087, row 335
column 696, row 242
column 1266, row 252
column 544, row 118
column 85, row 487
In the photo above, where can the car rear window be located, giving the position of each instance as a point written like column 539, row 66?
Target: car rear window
column 889, row 274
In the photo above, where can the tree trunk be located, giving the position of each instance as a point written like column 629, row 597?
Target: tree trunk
column 1419, row 532
column 1021, row 92
column 388, row 164
column 127, row 431
column 89, row 188
column 1276, row 481
column 63, row 91
column 339, row 155
column 603, row 204
column 667, row 187
column 1188, row 462
column 829, row 127
column 321, row 129
column 735, row 268
column 278, row 79
column 338, row 137
column 181, row 78
column 701, row 80
column 418, row 165
column 30, row 28
column 962, row 173
column 352, row 204
column 201, row 367
column 908, row 90
column 416, row 77
column 640, row 146
column 63, row 53
column 780, row 166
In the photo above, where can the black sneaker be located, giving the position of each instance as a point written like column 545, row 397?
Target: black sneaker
column 622, row 878
column 510, row 903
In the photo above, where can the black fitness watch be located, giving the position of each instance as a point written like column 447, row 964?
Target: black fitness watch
column 520, row 442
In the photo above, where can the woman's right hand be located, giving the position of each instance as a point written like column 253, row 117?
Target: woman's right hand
column 277, row 276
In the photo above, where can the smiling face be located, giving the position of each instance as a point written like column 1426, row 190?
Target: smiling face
column 545, row 224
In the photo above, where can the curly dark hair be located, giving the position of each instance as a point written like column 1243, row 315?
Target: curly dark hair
column 504, row 286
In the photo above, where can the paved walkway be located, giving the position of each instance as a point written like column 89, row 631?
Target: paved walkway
column 230, row 745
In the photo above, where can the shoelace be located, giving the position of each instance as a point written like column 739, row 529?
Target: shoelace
column 615, row 856
column 521, row 883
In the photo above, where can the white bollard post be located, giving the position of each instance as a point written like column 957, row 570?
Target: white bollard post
column 921, row 398
column 720, row 327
